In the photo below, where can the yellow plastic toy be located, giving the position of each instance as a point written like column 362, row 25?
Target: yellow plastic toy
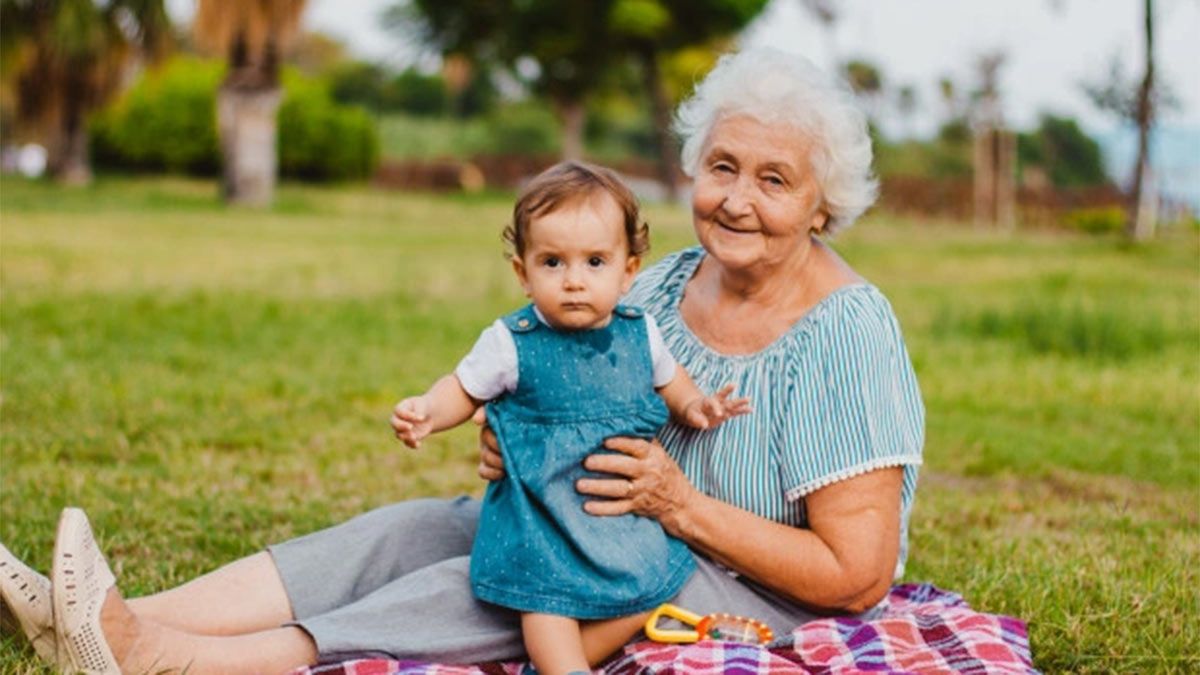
column 719, row 626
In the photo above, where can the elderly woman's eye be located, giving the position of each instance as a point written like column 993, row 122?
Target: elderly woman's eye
column 774, row 180
column 722, row 167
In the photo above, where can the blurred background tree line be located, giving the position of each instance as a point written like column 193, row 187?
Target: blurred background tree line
column 505, row 88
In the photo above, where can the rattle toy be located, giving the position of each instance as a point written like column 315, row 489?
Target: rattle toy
column 719, row 626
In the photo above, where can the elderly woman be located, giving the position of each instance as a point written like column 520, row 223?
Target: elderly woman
column 796, row 510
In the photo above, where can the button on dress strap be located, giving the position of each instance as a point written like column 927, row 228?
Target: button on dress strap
column 628, row 311
column 522, row 321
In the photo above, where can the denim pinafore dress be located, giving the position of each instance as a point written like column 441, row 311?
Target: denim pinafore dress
column 536, row 549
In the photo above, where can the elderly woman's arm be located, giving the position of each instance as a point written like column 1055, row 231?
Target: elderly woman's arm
column 844, row 563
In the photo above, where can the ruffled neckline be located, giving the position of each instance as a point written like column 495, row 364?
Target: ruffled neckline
column 683, row 271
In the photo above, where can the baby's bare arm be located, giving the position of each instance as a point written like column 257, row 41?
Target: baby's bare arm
column 444, row 406
column 690, row 406
column 680, row 393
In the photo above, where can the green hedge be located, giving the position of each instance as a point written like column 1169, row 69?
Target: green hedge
column 167, row 122
column 320, row 139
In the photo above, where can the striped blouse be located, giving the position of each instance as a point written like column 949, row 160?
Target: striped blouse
column 832, row 398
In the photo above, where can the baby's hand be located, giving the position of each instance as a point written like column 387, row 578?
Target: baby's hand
column 410, row 420
column 710, row 411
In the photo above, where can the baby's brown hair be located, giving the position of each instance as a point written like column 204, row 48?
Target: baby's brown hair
column 567, row 181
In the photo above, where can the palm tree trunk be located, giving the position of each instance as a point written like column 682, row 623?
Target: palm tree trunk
column 246, row 123
column 572, row 115
column 1139, row 225
column 662, row 120
column 984, row 176
column 67, row 151
column 1142, row 211
column 69, row 164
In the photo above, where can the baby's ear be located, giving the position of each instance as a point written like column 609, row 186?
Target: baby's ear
column 519, row 269
column 632, row 265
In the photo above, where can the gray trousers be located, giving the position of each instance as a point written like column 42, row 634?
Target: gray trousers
column 395, row 582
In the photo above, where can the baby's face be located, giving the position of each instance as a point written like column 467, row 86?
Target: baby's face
column 576, row 263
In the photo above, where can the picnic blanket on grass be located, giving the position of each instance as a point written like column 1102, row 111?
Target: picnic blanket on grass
column 923, row 630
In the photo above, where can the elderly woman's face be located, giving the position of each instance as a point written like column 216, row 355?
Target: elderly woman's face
column 754, row 200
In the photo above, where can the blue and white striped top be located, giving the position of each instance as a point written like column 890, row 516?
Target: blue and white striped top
column 832, row 398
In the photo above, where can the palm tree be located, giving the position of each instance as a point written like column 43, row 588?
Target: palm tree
column 252, row 34
column 66, row 58
column 866, row 80
column 1141, row 225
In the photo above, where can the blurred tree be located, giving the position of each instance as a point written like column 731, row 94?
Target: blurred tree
column 955, row 132
column 412, row 91
column 1140, row 104
column 569, row 43
column 951, row 153
column 66, row 59
column 317, row 53
column 416, row 93
column 619, row 124
column 358, row 83
column 1068, row 156
column 866, row 80
column 252, row 35
column 951, row 101
column 572, row 46
column 994, row 147
column 683, row 68
column 652, row 29
column 477, row 96
column 907, row 104
column 864, row 77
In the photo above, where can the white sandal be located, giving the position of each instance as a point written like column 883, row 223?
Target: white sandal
column 80, row 580
column 26, row 599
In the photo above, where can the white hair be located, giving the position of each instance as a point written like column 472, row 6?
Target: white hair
column 776, row 87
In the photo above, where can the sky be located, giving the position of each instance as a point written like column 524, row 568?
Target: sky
column 1052, row 46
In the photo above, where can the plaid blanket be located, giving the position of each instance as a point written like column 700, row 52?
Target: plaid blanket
column 923, row 630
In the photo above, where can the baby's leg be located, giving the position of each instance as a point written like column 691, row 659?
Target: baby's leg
column 554, row 644
column 602, row 638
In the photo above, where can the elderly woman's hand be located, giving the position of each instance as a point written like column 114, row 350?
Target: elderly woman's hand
column 491, row 463
column 648, row 482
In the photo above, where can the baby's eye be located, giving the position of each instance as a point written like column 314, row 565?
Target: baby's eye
column 552, row 262
column 595, row 261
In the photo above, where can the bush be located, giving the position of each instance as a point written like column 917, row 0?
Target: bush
column 167, row 122
column 321, row 140
column 1068, row 155
column 1100, row 220
column 416, row 94
column 527, row 128
column 357, row 83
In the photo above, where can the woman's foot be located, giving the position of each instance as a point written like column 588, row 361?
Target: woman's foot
column 25, row 595
column 80, row 583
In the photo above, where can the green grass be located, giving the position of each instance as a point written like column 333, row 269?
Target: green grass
column 207, row 380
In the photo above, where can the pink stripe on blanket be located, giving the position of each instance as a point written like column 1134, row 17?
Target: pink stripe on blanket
column 923, row 629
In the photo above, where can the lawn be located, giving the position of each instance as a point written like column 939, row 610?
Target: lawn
column 205, row 381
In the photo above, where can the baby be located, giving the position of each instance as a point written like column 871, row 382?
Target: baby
column 560, row 376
